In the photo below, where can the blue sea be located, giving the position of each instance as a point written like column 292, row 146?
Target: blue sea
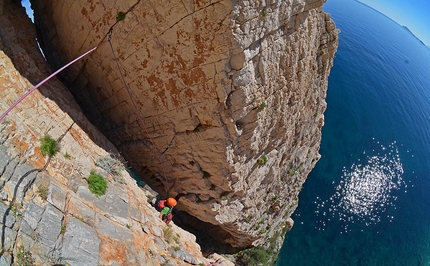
column 367, row 201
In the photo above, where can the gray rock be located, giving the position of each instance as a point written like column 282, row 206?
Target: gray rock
column 57, row 197
column 33, row 214
column 4, row 158
column 156, row 231
column 160, row 243
column 183, row 255
column 80, row 245
column 8, row 170
column 145, row 228
column 115, row 204
column 23, row 176
column 9, row 218
column 85, row 194
column 106, row 227
column 5, row 260
column 26, row 229
column 81, row 210
column 141, row 258
column 9, row 237
column 50, row 226
column 135, row 214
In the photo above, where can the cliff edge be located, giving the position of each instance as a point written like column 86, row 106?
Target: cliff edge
column 231, row 95
column 221, row 101
column 48, row 215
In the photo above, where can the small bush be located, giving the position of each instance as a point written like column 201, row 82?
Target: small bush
column 63, row 229
column 176, row 238
column 255, row 256
column 264, row 12
column 97, row 184
column 24, row 258
column 262, row 106
column 43, row 191
column 67, row 156
column 113, row 166
column 120, row 16
column 48, row 145
column 262, row 160
column 15, row 207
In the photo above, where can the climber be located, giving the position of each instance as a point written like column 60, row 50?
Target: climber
column 166, row 207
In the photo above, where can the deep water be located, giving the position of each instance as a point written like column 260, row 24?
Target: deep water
column 367, row 202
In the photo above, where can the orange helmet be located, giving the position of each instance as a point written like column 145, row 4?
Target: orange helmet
column 171, row 202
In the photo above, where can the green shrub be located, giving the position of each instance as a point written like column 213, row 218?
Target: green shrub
column 24, row 258
column 120, row 16
column 97, row 184
column 67, row 156
column 264, row 12
column 255, row 256
column 262, row 160
column 63, row 229
column 43, row 191
column 15, row 207
column 48, row 145
column 262, row 106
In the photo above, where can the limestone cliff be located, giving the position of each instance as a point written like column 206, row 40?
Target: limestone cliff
column 48, row 216
column 232, row 94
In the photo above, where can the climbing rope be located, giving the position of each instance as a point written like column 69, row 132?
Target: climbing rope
column 136, row 111
column 45, row 80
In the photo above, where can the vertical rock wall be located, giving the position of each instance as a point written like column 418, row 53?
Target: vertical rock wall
column 48, row 216
column 232, row 94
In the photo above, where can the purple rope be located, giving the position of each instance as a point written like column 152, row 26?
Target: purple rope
column 43, row 81
column 136, row 111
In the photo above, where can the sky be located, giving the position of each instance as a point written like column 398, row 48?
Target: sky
column 26, row 4
column 414, row 14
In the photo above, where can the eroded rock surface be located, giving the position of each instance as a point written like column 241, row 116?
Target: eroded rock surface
column 48, row 216
column 232, row 94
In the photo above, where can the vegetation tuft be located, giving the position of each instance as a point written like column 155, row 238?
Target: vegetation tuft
column 113, row 166
column 48, row 145
column 168, row 234
column 262, row 160
column 120, row 16
column 15, row 207
column 262, row 106
column 264, row 13
column 67, row 156
column 255, row 256
column 24, row 258
column 63, row 229
column 97, row 184
column 43, row 191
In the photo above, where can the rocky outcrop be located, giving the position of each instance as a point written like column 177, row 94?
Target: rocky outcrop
column 231, row 95
column 48, row 216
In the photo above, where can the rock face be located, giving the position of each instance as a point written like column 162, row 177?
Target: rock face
column 224, row 99
column 48, row 214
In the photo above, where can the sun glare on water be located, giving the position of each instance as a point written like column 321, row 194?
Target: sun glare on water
column 365, row 190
